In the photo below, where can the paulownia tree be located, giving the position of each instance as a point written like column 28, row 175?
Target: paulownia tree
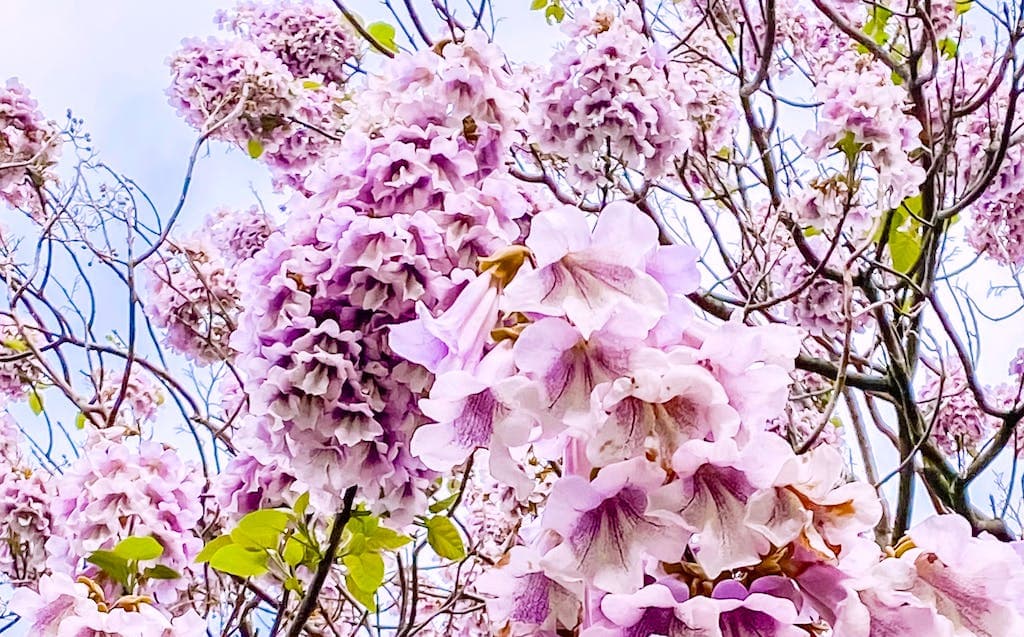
column 697, row 329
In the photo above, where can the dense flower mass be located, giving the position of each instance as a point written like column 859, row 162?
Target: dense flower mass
column 607, row 103
column 193, row 283
column 25, row 497
column 958, row 424
column 311, row 39
column 122, row 489
column 864, row 112
column 29, row 147
column 231, row 89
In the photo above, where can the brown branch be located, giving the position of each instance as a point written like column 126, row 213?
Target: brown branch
column 309, row 602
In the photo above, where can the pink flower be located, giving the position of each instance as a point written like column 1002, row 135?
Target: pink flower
column 307, row 37
column 591, row 276
column 566, row 368
column 29, row 147
column 455, row 339
column 472, row 412
column 812, row 500
column 608, row 532
column 606, row 103
column 716, row 481
column 662, row 403
column 524, row 599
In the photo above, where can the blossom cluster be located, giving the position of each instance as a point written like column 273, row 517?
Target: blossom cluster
column 121, row 489
column 136, row 399
column 310, row 39
column 863, row 111
column 607, row 104
column 275, row 89
column 957, row 423
column 29, row 147
column 25, row 497
column 676, row 510
column 193, row 295
column 19, row 371
column 397, row 222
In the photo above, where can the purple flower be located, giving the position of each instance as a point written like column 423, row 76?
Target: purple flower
column 607, row 530
column 591, row 277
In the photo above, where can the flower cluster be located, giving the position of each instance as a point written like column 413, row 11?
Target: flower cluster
column 398, row 217
column 63, row 607
column 19, row 371
column 231, row 89
column 818, row 304
column 137, row 400
column 114, row 491
column 676, row 509
column 193, row 294
column 312, row 40
column 25, row 508
column 275, row 90
column 997, row 229
column 623, row 405
column 29, row 147
column 863, row 112
column 606, row 103
column 957, row 422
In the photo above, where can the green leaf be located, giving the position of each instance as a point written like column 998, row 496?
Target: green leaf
column 384, row 34
column 356, row 543
column 537, row 5
column 948, row 47
column 139, row 548
column 301, row 505
column 850, row 147
column 366, row 571
column 255, row 148
column 294, row 552
column 160, row 572
column 35, row 401
column 444, row 538
column 366, row 598
column 261, row 529
column 80, row 421
column 294, row 585
column 875, row 26
column 904, row 235
column 212, row 547
column 963, row 6
column 554, row 12
column 238, row 560
column 112, row 564
column 442, row 505
column 311, row 85
column 905, row 249
column 386, row 539
column 16, row 344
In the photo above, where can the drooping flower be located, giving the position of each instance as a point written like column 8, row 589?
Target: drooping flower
column 606, row 527
column 591, row 276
